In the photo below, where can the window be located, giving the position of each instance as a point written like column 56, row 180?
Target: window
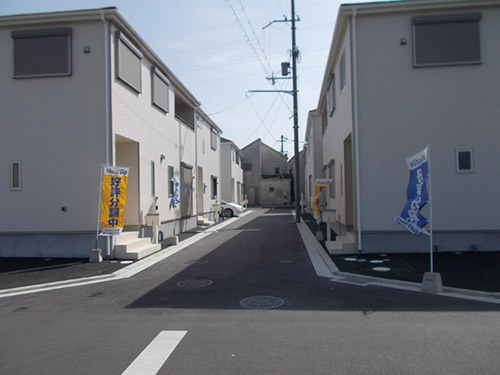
column 464, row 161
column 184, row 112
column 331, row 96
column 15, row 175
column 213, row 139
column 271, row 189
column 159, row 94
column 153, row 183
column 276, row 170
column 171, row 187
column 331, row 175
column 343, row 77
column 446, row 40
column 42, row 53
column 237, row 158
column 213, row 180
column 128, row 63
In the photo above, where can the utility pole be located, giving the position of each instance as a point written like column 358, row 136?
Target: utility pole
column 294, row 92
column 295, row 53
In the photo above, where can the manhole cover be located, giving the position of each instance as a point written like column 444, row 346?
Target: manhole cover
column 197, row 261
column 261, row 302
column 195, row 283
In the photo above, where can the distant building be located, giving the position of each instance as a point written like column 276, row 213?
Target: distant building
column 401, row 76
column 231, row 189
column 80, row 89
column 265, row 175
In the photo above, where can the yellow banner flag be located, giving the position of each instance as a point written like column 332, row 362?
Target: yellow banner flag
column 321, row 185
column 113, row 199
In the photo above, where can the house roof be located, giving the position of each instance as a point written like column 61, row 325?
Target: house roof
column 110, row 14
column 209, row 120
column 225, row 140
column 262, row 144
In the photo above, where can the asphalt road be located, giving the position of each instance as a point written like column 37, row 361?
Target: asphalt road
column 245, row 300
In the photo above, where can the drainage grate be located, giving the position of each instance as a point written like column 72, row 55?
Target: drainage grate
column 195, row 283
column 261, row 302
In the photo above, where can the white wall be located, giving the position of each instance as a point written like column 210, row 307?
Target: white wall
column 403, row 109
column 232, row 173
column 56, row 127
column 157, row 133
column 210, row 160
column 340, row 126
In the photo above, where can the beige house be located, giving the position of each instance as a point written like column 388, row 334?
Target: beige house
column 265, row 175
column 401, row 76
column 101, row 96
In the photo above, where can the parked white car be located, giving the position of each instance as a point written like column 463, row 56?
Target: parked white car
column 230, row 209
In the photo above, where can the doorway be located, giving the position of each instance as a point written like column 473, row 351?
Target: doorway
column 186, row 190
column 127, row 155
column 349, row 185
column 199, row 192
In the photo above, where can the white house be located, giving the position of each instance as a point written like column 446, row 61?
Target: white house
column 231, row 187
column 209, row 173
column 401, row 76
column 313, row 156
column 101, row 96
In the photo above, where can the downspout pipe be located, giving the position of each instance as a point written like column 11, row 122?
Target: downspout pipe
column 107, row 114
column 354, row 74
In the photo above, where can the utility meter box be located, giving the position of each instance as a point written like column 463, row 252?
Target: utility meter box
column 153, row 220
column 329, row 215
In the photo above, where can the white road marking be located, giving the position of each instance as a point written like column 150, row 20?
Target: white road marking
column 156, row 353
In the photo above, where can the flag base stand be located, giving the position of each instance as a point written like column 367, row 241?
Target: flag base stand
column 95, row 256
column 432, row 283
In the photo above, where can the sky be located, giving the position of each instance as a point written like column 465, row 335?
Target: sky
column 220, row 50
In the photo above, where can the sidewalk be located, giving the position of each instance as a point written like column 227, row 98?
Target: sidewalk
column 37, row 273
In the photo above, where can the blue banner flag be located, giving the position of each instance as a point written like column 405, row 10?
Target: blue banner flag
column 174, row 198
column 417, row 195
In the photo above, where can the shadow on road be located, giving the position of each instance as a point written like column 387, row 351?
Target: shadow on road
column 268, row 259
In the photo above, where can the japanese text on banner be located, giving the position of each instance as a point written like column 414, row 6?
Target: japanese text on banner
column 113, row 199
column 416, row 194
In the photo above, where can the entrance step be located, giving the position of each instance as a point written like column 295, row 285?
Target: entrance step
column 129, row 246
column 342, row 245
column 204, row 222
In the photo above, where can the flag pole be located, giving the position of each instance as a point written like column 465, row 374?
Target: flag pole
column 430, row 208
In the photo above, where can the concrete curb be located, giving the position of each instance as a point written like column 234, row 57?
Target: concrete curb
column 125, row 272
column 330, row 269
